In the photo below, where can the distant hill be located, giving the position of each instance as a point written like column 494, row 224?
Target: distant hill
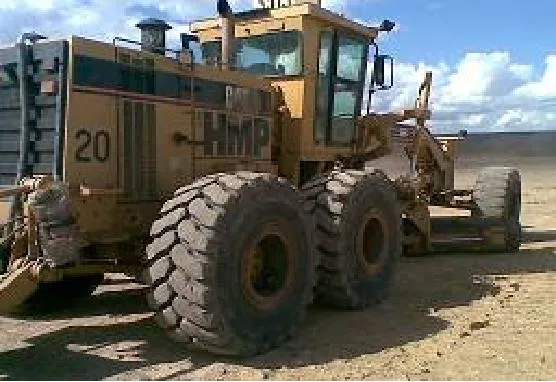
column 523, row 149
column 521, row 144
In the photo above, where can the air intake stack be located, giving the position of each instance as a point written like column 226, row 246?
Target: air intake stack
column 228, row 32
column 153, row 35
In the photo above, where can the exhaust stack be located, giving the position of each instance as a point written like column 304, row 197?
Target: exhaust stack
column 228, row 33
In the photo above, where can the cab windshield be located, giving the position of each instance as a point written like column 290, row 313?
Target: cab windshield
column 276, row 54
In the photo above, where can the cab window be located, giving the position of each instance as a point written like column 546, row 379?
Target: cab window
column 211, row 52
column 8, row 75
column 351, row 55
column 276, row 54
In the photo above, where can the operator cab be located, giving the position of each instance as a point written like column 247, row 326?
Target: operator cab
column 318, row 59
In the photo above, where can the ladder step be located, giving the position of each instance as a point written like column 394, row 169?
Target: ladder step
column 457, row 241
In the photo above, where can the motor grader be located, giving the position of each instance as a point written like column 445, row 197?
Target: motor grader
column 237, row 184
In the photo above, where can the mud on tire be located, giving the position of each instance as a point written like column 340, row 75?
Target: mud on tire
column 231, row 267
column 358, row 236
column 497, row 195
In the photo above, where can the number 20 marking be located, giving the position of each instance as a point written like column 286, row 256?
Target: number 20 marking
column 100, row 142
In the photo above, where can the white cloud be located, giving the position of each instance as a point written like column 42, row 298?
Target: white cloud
column 334, row 4
column 546, row 86
column 484, row 91
column 101, row 19
column 519, row 118
column 42, row 6
column 481, row 76
column 472, row 120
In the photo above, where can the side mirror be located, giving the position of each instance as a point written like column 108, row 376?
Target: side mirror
column 379, row 72
column 187, row 39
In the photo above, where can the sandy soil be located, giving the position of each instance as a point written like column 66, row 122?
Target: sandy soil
column 452, row 316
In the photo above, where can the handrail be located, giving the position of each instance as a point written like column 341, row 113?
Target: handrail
column 14, row 191
column 122, row 39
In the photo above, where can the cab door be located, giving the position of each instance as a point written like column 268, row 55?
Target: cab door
column 342, row 64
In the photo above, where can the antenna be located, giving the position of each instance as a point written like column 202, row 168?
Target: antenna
column 223, row 8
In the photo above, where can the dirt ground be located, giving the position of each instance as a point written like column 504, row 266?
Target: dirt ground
column 450, row 316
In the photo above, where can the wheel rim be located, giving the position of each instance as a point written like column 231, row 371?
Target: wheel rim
column 267, row 268
column 372, row 243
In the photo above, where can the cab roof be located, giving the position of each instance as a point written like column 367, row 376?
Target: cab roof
column 304, row 9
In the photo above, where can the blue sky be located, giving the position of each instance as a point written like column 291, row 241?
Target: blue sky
column 493, row 61
column 434, row 30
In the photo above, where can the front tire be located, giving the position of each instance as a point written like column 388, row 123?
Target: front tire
column 358, row 223
column 231, row 267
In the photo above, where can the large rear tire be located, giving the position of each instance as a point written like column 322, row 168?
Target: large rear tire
column 497, row 196
column 231, row 266
column 358, row 225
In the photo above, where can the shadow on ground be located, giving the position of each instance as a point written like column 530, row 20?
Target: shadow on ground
column 114, row 302
column 424, row 284
column 93, row 352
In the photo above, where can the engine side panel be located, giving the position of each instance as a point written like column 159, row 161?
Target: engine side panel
column 140, row 125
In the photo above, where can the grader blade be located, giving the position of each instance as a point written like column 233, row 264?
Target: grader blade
column 17, row 286
column 472, row 234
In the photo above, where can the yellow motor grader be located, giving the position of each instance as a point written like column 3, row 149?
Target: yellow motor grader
column 236, row 183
